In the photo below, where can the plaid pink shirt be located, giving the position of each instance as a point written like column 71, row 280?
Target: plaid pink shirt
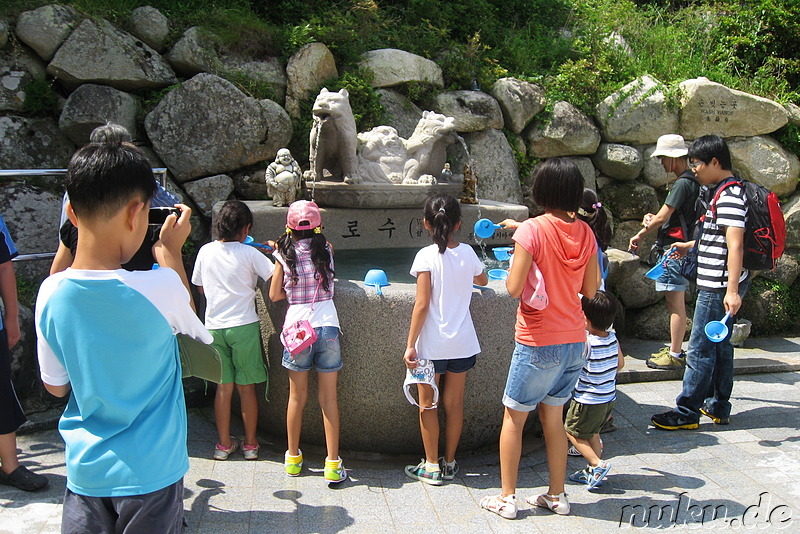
column 303, row 291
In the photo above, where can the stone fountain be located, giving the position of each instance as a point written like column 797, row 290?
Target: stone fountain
column 371, row 188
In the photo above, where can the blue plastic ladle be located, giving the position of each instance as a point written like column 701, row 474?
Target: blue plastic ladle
column 376, row 278
column 502, row 253
column 497, row 274
column 658, row 269
column 253, row 243
column 716, row 331
column 485, row 228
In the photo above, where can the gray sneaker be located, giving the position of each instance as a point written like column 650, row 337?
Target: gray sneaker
column 448, row 473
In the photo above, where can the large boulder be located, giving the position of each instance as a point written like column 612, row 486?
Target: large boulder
column 786, row 271
column 711, row 108
column 394, row 67
column 208, row 191
column 652, row 171
column 765, row 306
column 791, row 212
column 90, row 106
column 569, row 132
column 763, row 160
column 44, row 29
column 98, row 52
column 306, row 71
column 637, row 114
column 32, row 216
column 621, row 162
column 623, row 233
column 628, row 282
column 401, row 113
column 193, row 53
column 249, row 183
column 630, row 200
column 472, row 110
column 27, row 143
column 151, row 26
column 498, row 178
column 18, row 67
column 652, row 322
column 270, row 71
column 793, row 113
column 207, row 125
column 587, row 169
column 519, row 101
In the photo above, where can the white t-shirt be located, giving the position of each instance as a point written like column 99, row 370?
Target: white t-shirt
column 228, row 272
column 448, row 332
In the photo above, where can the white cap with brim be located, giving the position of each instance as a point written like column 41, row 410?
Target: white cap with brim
column 672, row 146
column 423, row 373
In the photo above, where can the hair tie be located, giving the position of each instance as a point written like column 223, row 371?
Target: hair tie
column 441, row 209
column 583, row 213
column 597, row 205
column 318, row 230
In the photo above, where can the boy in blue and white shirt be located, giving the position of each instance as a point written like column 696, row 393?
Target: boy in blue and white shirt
column 106, row 337
column 595, row 393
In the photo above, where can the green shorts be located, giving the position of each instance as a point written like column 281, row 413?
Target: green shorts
column 241, row 353
column 585, row 420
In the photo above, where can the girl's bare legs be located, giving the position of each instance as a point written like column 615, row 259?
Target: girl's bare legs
column 555, row 441
column 222, row 413
column 249, row 402
column 511, row 449
column 429, row 422
column 676, row 306
column 453, row 401
column 329, row 404
column 298, row 395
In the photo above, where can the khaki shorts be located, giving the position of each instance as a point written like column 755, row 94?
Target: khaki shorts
column 585, row 420
column 242, row 357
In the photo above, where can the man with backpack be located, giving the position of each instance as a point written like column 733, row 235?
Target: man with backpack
column 675, row 223
column 722, row 281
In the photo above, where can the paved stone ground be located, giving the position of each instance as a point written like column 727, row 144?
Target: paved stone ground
column 746, row 471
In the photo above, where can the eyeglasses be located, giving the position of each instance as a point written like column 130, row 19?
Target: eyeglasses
column 696, row 164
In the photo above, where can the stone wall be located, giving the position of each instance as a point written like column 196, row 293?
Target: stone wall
column 216, row 141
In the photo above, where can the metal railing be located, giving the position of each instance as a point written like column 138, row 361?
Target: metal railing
column 160, row 172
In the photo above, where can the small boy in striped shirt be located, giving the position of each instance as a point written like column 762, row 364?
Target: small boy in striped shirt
column 595, row 392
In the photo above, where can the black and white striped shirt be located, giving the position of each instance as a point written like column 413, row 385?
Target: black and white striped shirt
column 597, row 383
column 712, row 250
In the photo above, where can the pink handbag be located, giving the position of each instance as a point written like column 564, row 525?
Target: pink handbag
column 298, row 336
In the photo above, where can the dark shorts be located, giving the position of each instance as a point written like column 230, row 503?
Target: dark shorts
column 585, row 420
column 11, row 414
column 459, row 365
column 160, row 511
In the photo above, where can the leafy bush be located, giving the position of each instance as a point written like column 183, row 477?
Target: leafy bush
column 40, row 97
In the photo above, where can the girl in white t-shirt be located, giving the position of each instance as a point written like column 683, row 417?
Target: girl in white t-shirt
column 227, row 272
column 442, row 331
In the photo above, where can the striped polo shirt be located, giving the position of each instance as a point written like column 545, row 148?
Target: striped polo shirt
column 712, row 251
column 597, row 383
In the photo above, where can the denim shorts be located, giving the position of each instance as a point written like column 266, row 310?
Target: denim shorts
column 457, row 365
column 543, row 374
column 671, row 280
column 325, row 354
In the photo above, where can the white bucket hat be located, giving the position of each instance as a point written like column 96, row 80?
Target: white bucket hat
column 423, row 373
column 671, row 145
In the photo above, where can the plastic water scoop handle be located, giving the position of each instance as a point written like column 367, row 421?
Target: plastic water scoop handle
column 716, row 331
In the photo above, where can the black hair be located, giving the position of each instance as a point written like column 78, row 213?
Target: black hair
column 600, row 310
column 103, row 177
column 320, row 255
column 557, row 184
column 231, row 219
column 442, row 213
column 708, row 147
column 595, row 216
column 110, row 133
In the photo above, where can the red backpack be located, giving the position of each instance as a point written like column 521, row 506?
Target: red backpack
column 765, row 227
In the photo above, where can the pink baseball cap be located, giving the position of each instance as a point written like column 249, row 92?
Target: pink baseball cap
column 303, row 215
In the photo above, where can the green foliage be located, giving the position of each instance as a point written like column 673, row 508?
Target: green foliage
column 789, row 137
column 27, row 290
column 40, row 97
column 249, row 85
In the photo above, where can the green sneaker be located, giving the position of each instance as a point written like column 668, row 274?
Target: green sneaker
column 334, row 471
column 418, row 472
column 664, row 360
column 293, row 464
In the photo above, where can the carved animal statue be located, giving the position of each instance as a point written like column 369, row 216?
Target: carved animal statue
column 381, row 155
column 333, row 138
column 427, row 148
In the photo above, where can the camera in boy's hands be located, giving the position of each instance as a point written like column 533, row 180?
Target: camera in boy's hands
column 159, row 215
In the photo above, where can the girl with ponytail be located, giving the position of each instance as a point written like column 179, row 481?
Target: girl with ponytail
column 442, row 331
